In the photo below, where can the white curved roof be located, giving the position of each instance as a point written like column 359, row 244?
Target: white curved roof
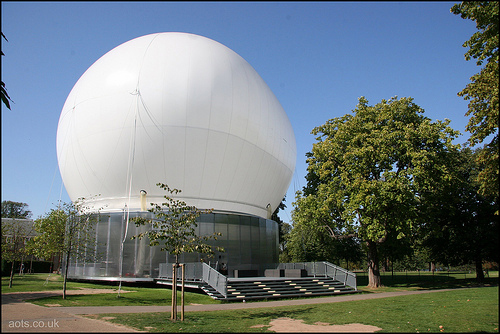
column 180, row 109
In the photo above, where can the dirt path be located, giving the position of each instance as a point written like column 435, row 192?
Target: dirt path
column 288, row 325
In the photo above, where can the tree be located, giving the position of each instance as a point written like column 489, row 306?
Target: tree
column 67, row 230
column 482, row 91
column 14, row 236
column 174, row 228
column 3, row 91
column 369, row 173
column 464, row 228
column 18, row 210
column 51, row 230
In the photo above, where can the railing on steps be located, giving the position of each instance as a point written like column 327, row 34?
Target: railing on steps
column 194, row 271
column 197, row 272
column 215, row 279
column 325, row 269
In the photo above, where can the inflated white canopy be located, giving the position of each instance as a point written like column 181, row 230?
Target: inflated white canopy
column 180, row 109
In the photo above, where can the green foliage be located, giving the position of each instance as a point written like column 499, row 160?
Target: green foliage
column 370, row 173
column 374, row 165
column 14, row 235
column 482, row 91
column 311, row 238
column 64, row 230
column 68, row 230
column 12, row 209
column 3, row 91
column 174, row 227
column 483, row 45
column 51, row 230
column 462, row 226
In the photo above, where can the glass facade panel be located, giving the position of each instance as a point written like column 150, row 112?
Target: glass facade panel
column 249, row 242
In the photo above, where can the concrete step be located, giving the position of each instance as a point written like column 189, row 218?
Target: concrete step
column 278, row 288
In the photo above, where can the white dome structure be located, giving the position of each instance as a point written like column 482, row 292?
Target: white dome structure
column 179, row 109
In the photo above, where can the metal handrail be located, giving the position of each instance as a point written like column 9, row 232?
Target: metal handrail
column 193, row 271
column 349, row 278
column 203, row 271
column 215, row 279
column 325, row 269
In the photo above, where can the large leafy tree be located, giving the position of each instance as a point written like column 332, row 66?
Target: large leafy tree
column 18, row 210
column 482, row 91
column 174, row 229
column 371, row 171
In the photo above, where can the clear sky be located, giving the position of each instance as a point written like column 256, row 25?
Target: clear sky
column 317, row 57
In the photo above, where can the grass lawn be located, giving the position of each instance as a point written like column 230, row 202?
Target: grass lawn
column 461, row 310
column 43, row 282
column 163, row 296
column 474, row 309
column 424, row 280
column 139, row 296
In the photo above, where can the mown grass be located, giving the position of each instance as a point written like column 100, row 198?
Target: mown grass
column 162, row 296
column 461, row 310
column 134, row 295
column 400, row 281
column 43, row 282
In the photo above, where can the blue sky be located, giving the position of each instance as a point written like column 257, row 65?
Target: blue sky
column 317, row 57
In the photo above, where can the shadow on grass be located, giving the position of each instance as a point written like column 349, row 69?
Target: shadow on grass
column 427, row 281
column 275, row 314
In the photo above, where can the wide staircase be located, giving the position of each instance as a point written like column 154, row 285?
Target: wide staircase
column 288, row 280
column 267, row 288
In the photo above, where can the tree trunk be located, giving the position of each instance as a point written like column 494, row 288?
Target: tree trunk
column 59, row 263
column 173, row 315
column 11, row 274
column 66, row 275
column 183, row 266
column 373, row 265
column 479, row 269
column 21, row 267
column 386, row 264
column 433, row 267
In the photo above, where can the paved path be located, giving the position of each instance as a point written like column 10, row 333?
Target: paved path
column 20, row 316
column 235, row 305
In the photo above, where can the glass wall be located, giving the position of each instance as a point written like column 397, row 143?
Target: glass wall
column 249, row 242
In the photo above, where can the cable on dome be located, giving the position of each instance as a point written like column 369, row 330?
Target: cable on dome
column 129, row 186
